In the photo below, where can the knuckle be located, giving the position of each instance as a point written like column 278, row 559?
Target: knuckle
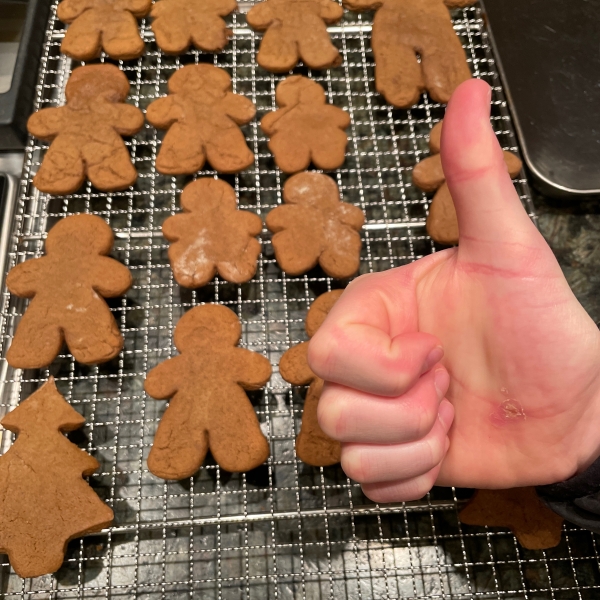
column 332, row 415
column 354, row 464
column 436, row 447
column 424, row 419
column 324, row 351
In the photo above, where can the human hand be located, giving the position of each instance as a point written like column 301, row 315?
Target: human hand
column 513, row 399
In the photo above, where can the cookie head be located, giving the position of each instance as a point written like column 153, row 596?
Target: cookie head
column 299, row 90
column 45, row 406
column 209, row 324
column 309, row 188
column 206, row 192
column 319, row 310
column 94, row 82
column 204, row 82
column 80, row 234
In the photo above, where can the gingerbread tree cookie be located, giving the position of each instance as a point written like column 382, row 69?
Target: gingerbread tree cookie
column 44, row 502
column 531, row 521
column 305, row 128
column 108, row 25
column 314, row 227
column 295, row 29
column 401, row 30
column 312, row 445
column 202, row 116
column 86, row 133
column 211, row 236
column 208, row 407
column 179, row 23
column 66, row 286
column 442, row 224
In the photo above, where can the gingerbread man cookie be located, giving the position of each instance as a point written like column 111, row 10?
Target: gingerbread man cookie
column 314, row 227
column 295, row 29
column 312, row 445
column 442, row 224
column 44, row 501
column 305, row 128
column 179, row 23
column 85, row 133
column 66, row 287
column 401, row 30
column 531, row 521
column 211, row 236
column 108, row 25
column 208, row 407
column 202, row 116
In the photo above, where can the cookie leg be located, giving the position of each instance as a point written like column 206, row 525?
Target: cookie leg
column 180, row 444
column 37, row 341
column 294, row 258
column 62, row 170
column 444, row 66
column 121, row 39
column 397, row 72
column 93, row 337
column 172, row 34
column 181, row 152
column 329, row 151
column 108, row 161
column 318, row 52
column 278, row 51
column 290, row 151
column 82, row 39
column 312, row 445
column 341, row 258
column 212, row 36
column 227, row 152
column 234, row 436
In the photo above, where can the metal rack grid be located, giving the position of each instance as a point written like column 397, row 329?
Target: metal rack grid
column 285, row 530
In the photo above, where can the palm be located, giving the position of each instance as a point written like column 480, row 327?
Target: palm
column 523, row 357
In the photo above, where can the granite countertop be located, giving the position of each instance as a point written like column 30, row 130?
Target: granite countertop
column 572, row 228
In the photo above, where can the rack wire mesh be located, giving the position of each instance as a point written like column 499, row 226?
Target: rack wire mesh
column 285, row 530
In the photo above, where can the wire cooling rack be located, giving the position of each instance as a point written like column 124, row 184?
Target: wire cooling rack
column 285, row 530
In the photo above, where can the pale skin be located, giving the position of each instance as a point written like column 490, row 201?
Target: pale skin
column 475, row 366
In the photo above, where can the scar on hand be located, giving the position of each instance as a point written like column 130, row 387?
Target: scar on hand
column 508, row 411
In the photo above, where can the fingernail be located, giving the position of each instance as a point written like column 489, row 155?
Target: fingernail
column 441, row 380
column 433, row 358
column 446, row 414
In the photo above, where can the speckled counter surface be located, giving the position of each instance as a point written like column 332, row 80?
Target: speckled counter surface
column 572, row 229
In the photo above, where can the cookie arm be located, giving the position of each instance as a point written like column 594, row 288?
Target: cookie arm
column 359, row 5
column 174, row 226
column 127, row 119
column 351, row 215
column 109, row 277
column 293, row 365
column 69, row 10
column 23, row 279
column 268, row 122
column 163, row 381
column 162, row 113
column 260, row 16
column 336, row 116
column 239, row 108
column 139, row 8
column 330, row 11
column 283, row 217
column 47, row 123
column 253, row 369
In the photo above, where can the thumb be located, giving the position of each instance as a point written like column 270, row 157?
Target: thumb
column 487, row 205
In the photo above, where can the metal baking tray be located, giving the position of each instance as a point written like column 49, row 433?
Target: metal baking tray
column 549, row 61
column 285, row 530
